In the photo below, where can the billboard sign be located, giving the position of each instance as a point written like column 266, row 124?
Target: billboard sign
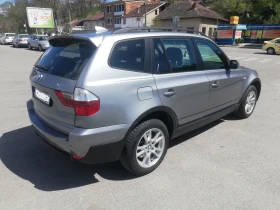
column 234, row 20
column 271, row 34
column 40, row 17
column 225, row 34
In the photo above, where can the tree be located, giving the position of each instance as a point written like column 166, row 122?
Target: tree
column 264, row 11
column 229, row 8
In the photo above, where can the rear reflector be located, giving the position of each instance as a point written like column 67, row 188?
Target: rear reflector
column 77, row 157
column 84, row 102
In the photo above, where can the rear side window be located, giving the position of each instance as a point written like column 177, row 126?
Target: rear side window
column 66, row 57
column 128, row 55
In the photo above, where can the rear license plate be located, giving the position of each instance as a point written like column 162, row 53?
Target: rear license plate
column 45, row 98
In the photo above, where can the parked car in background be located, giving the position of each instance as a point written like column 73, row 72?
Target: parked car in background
column 272, row 47
column 7, row 38
column 20, row 40
column 122, row 95
column 40, row 42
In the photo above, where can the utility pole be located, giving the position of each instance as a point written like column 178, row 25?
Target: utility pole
column 25, row 25
column 70, row 19
column 145, row 13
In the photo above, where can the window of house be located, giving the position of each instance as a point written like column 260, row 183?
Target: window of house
column 128, row 55
column 124, row 21
column 119, row 7
column 210, row 32
column 117, row 20
column 108, row 8
column 173, row 55
column 212, row 56
column 204, row 30
column 156, row 12
column 109, row 21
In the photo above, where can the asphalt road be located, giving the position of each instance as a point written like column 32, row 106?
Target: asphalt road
column 230, row 164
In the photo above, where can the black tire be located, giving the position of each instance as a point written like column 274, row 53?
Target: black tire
column 40, row 48
column 29, row 47
column 128, row 158
column 241, row 113
column 270, row 51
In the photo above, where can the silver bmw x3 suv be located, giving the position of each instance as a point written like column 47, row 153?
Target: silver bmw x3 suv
column 124, row 95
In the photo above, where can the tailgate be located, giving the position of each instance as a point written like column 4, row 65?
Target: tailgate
column 59, row 69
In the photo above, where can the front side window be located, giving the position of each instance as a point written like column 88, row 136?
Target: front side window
column 212, row 56
column 173, row 55
column 128, row 55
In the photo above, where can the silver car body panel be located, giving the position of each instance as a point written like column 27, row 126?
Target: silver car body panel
column 125, row 96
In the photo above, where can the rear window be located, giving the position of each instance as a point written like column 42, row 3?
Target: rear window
column 23, row 36
column 42, row 38
column 10, row 35
column 66, row 57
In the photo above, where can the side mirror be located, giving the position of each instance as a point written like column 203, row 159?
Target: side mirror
column 234, row 64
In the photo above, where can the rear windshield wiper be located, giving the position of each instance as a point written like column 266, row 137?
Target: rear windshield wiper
column 41, row 67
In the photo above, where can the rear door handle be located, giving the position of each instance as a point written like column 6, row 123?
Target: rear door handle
column 170, row 93
column 215, row 84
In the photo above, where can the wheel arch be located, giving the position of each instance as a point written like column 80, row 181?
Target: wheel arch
column 163, row 113
column 255, row 82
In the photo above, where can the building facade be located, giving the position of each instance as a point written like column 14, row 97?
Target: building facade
column 95, row 20
column 136, row 17
column 115, row 10
column 193, row 16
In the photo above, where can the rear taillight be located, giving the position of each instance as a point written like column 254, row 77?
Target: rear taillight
column 20, row 40
column 84, row 102
column 6, row 37
column 264, row 43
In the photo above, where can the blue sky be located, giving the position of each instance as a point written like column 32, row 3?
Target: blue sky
column 2, row 1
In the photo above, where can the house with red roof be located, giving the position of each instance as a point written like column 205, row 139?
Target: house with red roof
column 94, row 20
column 192, row 15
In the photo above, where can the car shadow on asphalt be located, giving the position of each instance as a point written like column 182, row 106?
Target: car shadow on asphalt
column 265, row 53
column 192, row 134
column 23, row 153
column 27, row 156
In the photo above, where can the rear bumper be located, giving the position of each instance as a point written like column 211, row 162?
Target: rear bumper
column 97, row 145
column 44, row 47
column 7, row 41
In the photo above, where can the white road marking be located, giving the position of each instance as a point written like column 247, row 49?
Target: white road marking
column 265, row 60
column 238, row 58
column 251, row 59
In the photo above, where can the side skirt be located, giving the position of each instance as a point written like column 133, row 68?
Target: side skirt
column 183, row 129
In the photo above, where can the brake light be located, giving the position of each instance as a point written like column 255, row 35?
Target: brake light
column 20, row 40
column 84, row 102
column 6, row 37
column 264, row 43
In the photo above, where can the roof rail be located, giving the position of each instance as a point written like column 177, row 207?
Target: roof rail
column 154, row 29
